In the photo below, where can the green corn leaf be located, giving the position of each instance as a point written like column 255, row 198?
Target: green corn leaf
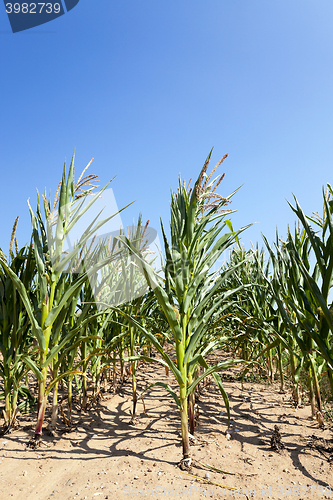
column 212, row 369
column 37, row 330
column 32, row 365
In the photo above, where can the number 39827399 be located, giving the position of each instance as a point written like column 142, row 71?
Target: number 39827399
column 33, row 8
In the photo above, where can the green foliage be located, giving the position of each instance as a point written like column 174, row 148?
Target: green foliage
column 269, row 310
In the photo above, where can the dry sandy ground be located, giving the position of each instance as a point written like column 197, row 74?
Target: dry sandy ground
column 103, row 456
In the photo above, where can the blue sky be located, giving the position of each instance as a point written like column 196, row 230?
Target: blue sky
column 147, row 87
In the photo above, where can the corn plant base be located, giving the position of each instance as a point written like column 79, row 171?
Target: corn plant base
column 50, row 429
column 9, row 429
column 185, row 464
column 35, row 442
column 11, row 425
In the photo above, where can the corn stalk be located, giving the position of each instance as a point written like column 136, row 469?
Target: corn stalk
column 187, row 295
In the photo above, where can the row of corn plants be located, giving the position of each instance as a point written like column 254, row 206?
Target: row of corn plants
column 43, row 302
column 286, row 315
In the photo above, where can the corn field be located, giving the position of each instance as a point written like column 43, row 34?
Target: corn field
column 72, row 320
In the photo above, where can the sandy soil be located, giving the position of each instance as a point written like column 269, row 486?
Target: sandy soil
column 103, row 456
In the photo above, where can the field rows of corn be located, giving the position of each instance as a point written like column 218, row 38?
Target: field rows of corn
column 76, row 317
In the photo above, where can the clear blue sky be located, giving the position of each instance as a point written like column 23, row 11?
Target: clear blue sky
column 147, row 87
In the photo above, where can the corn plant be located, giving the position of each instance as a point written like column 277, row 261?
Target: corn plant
column 187, row 294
